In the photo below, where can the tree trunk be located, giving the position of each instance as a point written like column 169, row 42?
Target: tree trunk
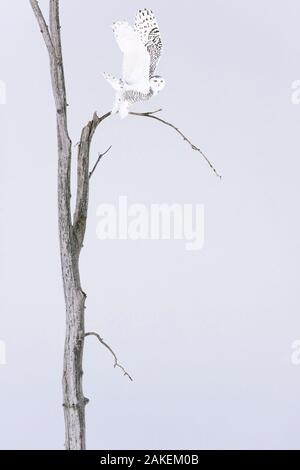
column 73, row 399
column 70, row 235
column 71, row 240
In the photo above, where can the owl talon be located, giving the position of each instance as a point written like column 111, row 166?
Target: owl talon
column 123, row 109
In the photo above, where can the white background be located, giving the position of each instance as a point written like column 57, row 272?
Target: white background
column 206, row 335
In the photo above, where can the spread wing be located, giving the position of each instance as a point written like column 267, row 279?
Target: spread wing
column 147, row 29
column 136, row 58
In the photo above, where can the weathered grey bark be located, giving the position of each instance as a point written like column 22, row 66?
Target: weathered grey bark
column 71, row 240
column 71, row 235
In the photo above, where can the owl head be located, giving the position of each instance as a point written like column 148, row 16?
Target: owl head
column 157, row 83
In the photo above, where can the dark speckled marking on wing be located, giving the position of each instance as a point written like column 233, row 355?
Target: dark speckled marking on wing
column 133, row 96
column 147, row 28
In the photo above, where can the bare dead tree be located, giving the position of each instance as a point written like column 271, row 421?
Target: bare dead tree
column 72, row 229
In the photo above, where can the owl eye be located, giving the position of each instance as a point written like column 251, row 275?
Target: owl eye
column 155, row 81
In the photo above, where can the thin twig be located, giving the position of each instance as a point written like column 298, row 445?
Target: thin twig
column 151, row 115
column 148, row 113
column 100, row 155
column 116, row 364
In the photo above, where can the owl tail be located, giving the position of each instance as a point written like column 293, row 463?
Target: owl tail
column 116, row 83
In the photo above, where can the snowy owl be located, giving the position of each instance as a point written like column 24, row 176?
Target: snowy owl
column 141, row 46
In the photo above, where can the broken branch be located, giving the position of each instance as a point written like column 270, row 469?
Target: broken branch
column 116, row 364
column 151, row 115
column 100, row 155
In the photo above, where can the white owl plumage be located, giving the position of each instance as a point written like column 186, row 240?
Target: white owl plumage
column 141, row 47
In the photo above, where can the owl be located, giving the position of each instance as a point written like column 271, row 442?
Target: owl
column 141, row 47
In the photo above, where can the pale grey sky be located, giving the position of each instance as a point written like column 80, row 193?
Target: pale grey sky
column 206, row 334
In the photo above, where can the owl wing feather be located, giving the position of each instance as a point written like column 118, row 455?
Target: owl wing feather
column 146, row 27
column 136, row 58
